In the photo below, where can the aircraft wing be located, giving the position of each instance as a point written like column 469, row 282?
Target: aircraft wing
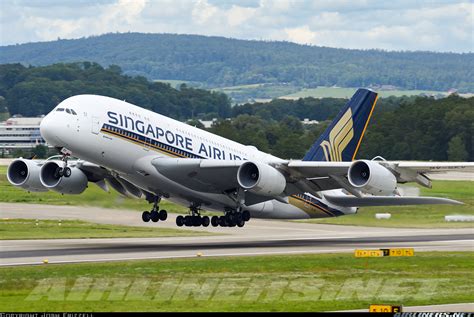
column 418, row 172
column 315, row 169
column 331, row 174
column 214, row 176
column 206, row 175
column 433, row 167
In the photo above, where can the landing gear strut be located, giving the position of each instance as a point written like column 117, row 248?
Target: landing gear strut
column 155, row 214
column 233, row 216
column 193, row 220
column 65, row 170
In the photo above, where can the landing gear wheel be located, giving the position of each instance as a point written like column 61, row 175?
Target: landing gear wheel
column 222, row 221
column 146, row 216
column 180, row 221
column 196, row 221
column 246, row 215
column 155, row 216
column 205, row 221
column 241, row 223
column 58, row 173
column 215, row 221
column 163, row 215
column 67, row 172
column 188, row 221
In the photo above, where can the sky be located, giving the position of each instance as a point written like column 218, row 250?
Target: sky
column 446, row 26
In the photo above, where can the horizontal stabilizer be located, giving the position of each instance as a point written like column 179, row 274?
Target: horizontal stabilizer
column 352, row 201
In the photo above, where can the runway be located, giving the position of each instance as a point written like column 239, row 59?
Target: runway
column 258, row 237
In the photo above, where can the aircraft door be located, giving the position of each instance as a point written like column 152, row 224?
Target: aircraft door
column 95, row 125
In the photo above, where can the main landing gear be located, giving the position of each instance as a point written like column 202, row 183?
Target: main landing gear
column 231, row 219
column 155, row 214
column 193, row 220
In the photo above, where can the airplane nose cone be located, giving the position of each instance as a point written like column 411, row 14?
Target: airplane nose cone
column 50, row 129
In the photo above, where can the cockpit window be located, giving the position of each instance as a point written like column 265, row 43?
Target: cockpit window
column 60, row 109
column 68, row 111
column 73, row 112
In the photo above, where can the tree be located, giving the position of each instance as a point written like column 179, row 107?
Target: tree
column 40, row 151
column 457, row 150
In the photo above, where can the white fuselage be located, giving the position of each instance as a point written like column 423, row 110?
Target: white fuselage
column 125, row 138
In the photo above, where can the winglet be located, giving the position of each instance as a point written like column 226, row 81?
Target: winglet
column 341, row 140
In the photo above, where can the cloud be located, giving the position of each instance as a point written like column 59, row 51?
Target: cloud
column 394, row 25
column 203, row 12
column 301, row 35
column 238, row 15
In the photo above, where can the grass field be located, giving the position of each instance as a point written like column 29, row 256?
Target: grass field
column 257, row 92
column 326, row 92
column 266, row 283
column 428, row 216
column 12, row 229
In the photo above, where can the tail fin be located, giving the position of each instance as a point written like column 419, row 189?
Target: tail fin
column 342, row 138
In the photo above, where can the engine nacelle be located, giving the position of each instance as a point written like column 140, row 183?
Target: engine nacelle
column 261, row 179
column 26, row 174
column 371, row 177
column 74, row 184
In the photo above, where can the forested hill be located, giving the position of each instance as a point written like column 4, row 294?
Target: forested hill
column 32, row 91
column 217, row 61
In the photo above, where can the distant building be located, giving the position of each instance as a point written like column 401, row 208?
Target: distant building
column 20, row 132
column 208, row 123
column 452, row 91
column 307, row 121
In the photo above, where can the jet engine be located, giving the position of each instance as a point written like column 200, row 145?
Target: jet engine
column 50, row 177
column 26, row 174
column 371, row 177
column 261, row 179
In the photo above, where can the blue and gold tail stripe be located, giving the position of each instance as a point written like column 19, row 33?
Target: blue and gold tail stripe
column 341, row 140
column 146, row 142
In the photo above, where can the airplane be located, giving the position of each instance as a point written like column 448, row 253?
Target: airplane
column 140, row 153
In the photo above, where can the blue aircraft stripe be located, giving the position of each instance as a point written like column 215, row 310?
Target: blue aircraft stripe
column 147, row 142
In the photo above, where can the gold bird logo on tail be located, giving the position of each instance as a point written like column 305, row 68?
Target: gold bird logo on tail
column 339, row 138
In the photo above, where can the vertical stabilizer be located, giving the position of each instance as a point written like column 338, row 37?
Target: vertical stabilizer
column 341, row 140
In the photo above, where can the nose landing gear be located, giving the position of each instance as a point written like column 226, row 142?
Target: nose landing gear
column 65, row 170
